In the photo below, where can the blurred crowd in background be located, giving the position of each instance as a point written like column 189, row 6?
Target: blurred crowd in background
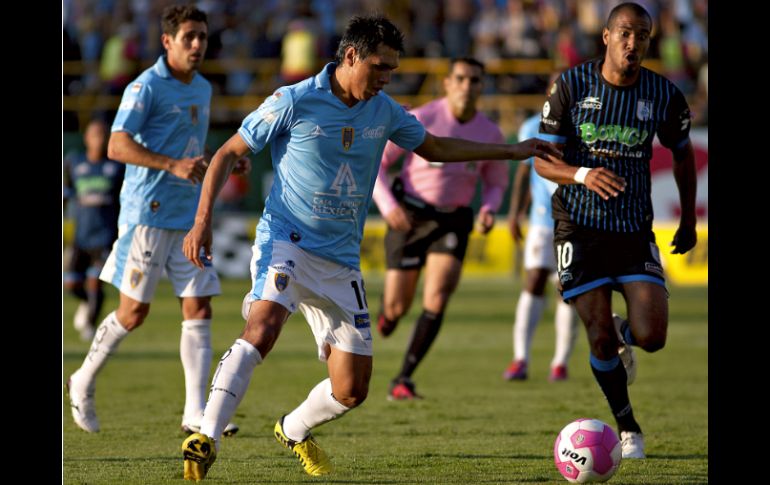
column 116, row 39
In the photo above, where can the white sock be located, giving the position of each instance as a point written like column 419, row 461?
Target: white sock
column 228, row 387
column 528, row 313
column 319, row 407
column 195, row 351
column 106, row 340
column 566, row 333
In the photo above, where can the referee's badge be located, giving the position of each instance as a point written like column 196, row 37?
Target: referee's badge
column 644, row 109
column 281, row 281
column 347, row 137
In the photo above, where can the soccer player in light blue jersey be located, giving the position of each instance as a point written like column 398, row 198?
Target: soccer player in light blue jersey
column 159, row 132
column 326, row 135
column 539, row 264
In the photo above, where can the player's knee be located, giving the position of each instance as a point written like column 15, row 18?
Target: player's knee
column 652, row 341
column 437, row 302
column 395, row 310
column 133, row 317
column 198, row 313
column 603, row 344
column 351, row 398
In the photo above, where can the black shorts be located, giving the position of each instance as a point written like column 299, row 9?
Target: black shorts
column 433, row 231
column 87, row 262
column 587, row 258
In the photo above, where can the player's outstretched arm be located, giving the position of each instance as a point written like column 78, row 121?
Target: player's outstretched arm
column 222, row 164
column 123, row 148
column 444, row 149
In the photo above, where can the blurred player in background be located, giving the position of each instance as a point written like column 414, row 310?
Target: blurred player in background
column 429, row 215
column 606, row 113
column 327, row 134
column 539, row 264
column 160, row 131
column 93, row 182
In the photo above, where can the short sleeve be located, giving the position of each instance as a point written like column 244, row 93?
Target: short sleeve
column 272, row 118
column 134, row 108
column 554, row 119
column 406, row 131
column 674, row 131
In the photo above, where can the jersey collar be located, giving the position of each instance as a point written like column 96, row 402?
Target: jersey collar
column 323, row 78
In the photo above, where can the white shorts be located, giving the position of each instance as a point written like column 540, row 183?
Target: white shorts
column 538, row 248
column 329, row 295
column 141, row 253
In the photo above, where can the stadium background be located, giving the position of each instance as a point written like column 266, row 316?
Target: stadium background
column 256, row 46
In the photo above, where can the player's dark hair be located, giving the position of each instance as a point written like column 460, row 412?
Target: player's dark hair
column 365, row 33
column 176, row 15
column 466, row 60
column 637, row 9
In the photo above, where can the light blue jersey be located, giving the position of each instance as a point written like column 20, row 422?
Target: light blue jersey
column 326, row 156
column 168, row 117
column 541, row 189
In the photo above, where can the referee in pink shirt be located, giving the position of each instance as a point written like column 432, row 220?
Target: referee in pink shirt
column 427, row 209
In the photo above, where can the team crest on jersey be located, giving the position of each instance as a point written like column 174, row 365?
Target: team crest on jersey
column 347, row 137
column 281, row 281
column 154, row 206
column 136, row 278
column 194, row 114
column 644, row 109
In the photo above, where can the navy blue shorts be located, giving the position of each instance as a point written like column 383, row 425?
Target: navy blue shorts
column 587, row 258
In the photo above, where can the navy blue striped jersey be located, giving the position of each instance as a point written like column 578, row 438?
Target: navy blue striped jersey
column 95, row 188
column 603, row 125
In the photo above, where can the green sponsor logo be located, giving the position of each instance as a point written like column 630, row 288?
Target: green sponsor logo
column 621, row 134
column 92, row 184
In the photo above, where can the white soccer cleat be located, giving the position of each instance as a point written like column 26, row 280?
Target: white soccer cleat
column 632, row 444
column 80, row 322
column 625, row 351
column 83, row 407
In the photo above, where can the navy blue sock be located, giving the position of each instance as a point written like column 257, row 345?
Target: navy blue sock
column 612, row 378
column 625, row 331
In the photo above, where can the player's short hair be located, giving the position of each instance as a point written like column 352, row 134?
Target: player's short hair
column 466, row 60
column 365, row 33
column 175, row 15
column 637, row 9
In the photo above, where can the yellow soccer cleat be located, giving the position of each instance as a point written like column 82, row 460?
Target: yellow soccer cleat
column 313, row 459
column 199, row 453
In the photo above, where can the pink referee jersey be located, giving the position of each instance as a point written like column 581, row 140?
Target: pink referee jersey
column 445, row 184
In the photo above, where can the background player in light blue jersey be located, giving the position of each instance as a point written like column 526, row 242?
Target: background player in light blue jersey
column 92, row 182
column 539, row 264
column 159, row 131
column 327, row 134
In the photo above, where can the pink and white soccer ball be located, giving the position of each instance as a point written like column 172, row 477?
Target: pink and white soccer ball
column 587, row 450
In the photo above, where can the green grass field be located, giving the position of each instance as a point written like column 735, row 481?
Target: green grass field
column 471, row 428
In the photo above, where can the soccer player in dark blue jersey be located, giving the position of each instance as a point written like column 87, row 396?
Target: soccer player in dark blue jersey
column 605, row 113
column 93, row 182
